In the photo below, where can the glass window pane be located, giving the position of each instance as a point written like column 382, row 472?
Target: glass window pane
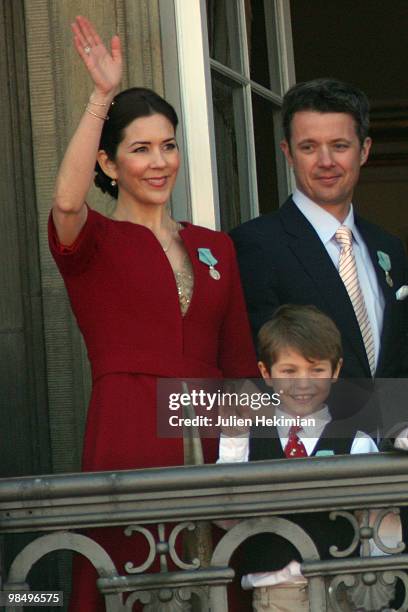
column 265, row 150
column 230, row 139
column 262, row 44
column 223, row 32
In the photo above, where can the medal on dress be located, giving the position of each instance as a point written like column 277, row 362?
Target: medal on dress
column 214, row 273
column 385, row 264
column 207, row 258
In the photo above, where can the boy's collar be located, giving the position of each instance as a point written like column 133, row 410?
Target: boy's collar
column 320, row 419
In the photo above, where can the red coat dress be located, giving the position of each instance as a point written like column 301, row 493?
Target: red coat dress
column 124, row 296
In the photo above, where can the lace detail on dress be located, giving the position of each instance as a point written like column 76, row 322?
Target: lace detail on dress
column 185, row 284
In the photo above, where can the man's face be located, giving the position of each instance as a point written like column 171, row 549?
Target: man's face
column 326, row 155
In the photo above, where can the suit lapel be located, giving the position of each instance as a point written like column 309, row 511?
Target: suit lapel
column 316, row 263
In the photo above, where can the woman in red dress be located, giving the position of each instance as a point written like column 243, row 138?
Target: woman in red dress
column 148, row 303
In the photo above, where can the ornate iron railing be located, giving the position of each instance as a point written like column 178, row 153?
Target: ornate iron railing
column 256, row 493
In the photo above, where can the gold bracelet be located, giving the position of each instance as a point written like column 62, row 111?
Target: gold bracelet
column 88, row 110
column 97, row 103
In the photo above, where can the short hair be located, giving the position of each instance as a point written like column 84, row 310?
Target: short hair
column 127, row 106
column 327, row 96
column 303, row 328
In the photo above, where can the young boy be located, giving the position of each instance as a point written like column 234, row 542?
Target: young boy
column 300, row 356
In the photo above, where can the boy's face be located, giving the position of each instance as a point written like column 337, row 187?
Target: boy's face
column 304, row 385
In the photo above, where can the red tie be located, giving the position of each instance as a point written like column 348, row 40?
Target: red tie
column 294, row 446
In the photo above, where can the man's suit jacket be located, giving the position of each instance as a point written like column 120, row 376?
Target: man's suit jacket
column 282, row 260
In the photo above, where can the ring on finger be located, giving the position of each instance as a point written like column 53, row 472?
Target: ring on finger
column 87, row 49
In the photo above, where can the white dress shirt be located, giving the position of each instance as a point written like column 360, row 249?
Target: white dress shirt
column 401, row 441
column 236, row 449
column 326, row 225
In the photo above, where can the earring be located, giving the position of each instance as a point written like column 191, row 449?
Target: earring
column 113, row 183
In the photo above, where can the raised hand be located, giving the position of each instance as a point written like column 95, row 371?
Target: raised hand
column 104, row 68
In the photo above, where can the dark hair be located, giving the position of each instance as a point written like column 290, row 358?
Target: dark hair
column 127, row 106
column 304, row 328
column 327, row 96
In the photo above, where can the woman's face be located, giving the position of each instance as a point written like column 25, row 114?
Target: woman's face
column 147, row 161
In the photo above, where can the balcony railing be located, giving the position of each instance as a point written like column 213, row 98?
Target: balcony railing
column 256, row 493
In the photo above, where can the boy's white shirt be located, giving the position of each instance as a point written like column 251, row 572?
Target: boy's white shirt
column 401, row 441
column 236, row 449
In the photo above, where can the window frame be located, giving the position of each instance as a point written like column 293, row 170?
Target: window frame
column 187, row 79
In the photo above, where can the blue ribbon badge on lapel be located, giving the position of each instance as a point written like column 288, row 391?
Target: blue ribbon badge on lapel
column 385, row 264
column 207, row 258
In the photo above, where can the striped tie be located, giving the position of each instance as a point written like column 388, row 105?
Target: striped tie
column 348, row 274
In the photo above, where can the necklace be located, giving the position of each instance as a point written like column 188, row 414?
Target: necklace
column 166, row 248
column 170, row 242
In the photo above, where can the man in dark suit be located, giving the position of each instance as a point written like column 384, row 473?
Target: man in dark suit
column 294, row 254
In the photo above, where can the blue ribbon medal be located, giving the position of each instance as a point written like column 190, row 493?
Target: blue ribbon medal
column 207, row 258
column 385, row 264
